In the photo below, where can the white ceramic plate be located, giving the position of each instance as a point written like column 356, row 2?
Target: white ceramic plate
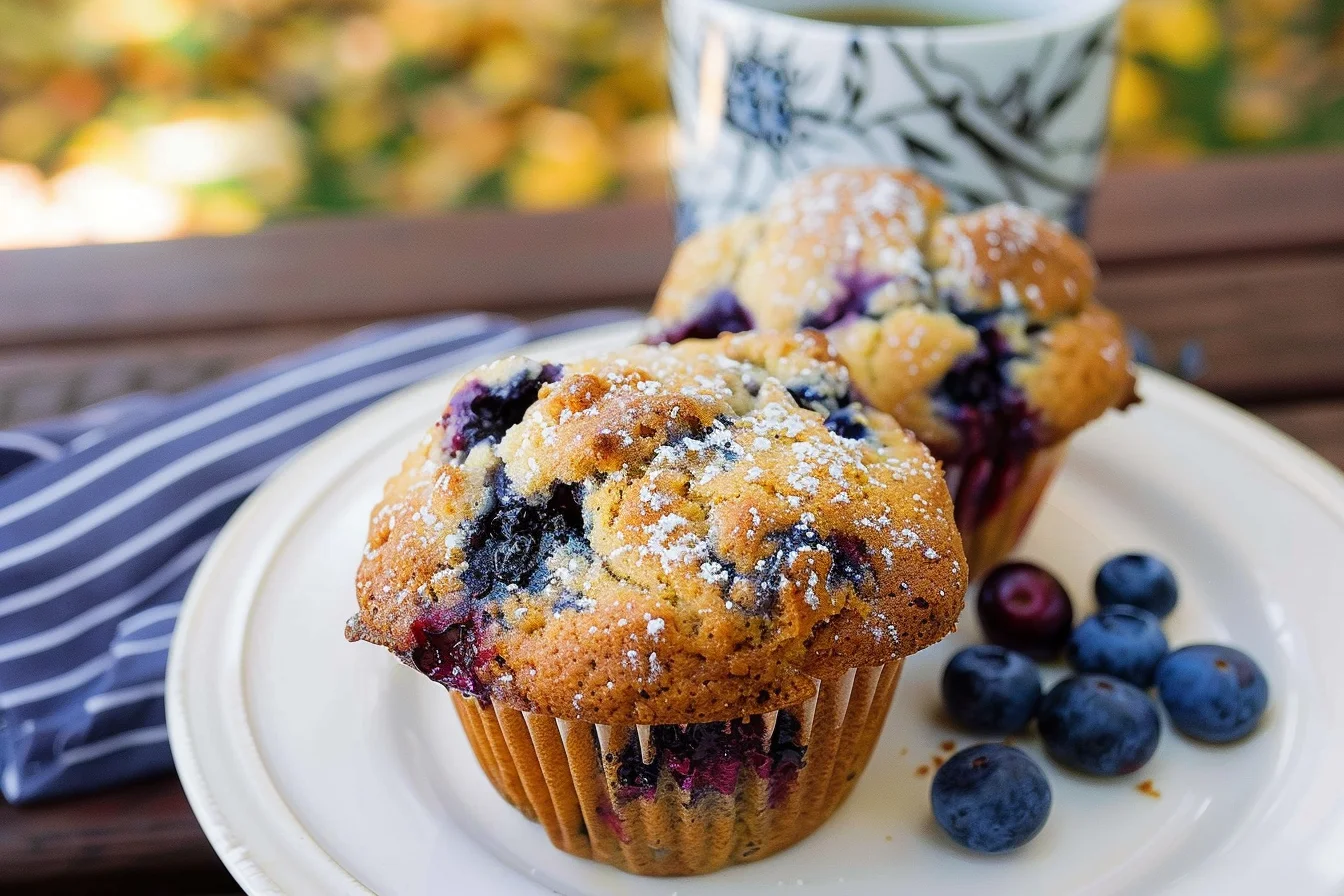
column 320, row 767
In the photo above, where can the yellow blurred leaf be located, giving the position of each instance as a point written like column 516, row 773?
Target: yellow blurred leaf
column 433, row 177
column 1185, row 33
column 563, row 163
column 225, row 211
column 643, row 148
column 354, row 123
column 130, row 21
column 481, row 135
column 508, row 70
column 1137, row 96
column 28, row 129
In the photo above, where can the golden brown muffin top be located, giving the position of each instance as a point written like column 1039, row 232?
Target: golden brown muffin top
column 660, row 535
column 943, row 319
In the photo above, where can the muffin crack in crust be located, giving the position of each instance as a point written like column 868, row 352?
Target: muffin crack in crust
column 979, row 332
column 665, row 535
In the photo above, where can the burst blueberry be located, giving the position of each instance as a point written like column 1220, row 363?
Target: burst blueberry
column 482, row 412
column 1137, row 580
column 1024, row 608
column 1212, row 693
column 1122, row 641
column 822, row 398
column 709, row 757
column 510, row 542
column 996, row 426
column 1099, row 725
column 991, row 689
column 991, row 798
column 849, row 563
column 453, row 648
column 856, row 288
column 720, row 313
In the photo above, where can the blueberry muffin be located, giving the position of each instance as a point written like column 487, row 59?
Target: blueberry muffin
column 979, row 332
column 670, row 589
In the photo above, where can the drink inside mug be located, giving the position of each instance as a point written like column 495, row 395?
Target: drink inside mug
column 912, row 14
column 898, row 16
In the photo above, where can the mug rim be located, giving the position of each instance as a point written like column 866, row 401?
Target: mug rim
column 1065, row 17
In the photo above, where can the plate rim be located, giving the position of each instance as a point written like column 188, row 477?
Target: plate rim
column 1309, row 474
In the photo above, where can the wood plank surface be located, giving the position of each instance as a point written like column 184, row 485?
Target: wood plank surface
column 368, row 267
column 44, row 381
column 334, row 269
column 1317, row 424
column 38, row 382
column 1270, row 326
column 134, row 828
column 1231, row 204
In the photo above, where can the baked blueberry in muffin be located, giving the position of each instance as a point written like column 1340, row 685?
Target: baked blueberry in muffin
column 673, row 581
column 980, row 332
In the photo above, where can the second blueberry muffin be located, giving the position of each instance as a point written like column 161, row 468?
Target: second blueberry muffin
column 980, row 332
column 670, row 589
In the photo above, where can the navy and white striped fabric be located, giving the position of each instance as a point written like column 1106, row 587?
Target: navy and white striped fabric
column 104, row 517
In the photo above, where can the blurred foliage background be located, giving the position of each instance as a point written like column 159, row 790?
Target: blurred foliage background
column 141, row 119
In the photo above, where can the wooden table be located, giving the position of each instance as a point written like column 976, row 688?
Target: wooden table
column 1241, row 257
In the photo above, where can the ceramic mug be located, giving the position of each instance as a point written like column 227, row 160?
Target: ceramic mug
column 1013, row 109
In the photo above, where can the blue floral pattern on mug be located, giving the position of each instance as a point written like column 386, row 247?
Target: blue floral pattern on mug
column 989, row 114
column 758, row 102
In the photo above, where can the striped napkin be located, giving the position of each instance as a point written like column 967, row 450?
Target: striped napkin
column 105, row 515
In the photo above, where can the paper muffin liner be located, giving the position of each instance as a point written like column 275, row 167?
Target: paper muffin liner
column 995, row 502
column 685, row 799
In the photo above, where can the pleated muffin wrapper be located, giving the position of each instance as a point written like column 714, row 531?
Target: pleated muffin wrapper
column 631, row 796
column 995, row 500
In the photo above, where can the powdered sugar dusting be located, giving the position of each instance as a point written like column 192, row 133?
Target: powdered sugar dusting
column 601, row 515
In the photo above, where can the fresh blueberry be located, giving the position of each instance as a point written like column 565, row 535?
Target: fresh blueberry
column 1023, row 607
column 1122, row 641
column 991, row 798
column 1137, row 580
column 990, row 689
column 1099, row 725
column 1212, row 693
